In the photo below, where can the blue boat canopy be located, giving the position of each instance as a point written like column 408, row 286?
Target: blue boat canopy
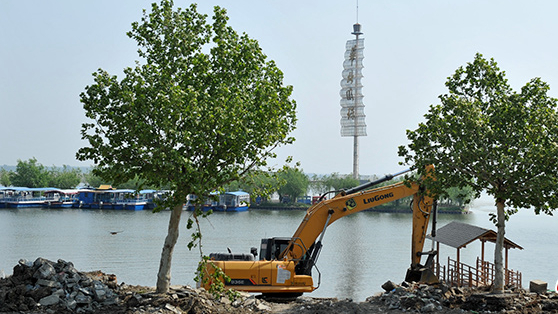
column 119, row 191
column 24, row 189
column 147, row 191
column 237, row 193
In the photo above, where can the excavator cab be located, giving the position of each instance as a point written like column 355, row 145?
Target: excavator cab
column 271, row 248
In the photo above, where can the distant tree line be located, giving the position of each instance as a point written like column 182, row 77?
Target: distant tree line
column 290, row 183
column 32, row 174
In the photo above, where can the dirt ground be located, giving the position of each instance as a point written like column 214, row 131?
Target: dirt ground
column 141, row 300
column 412, row 300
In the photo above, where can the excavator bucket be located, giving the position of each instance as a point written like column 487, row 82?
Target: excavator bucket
column 422, row 275
column 427, row 276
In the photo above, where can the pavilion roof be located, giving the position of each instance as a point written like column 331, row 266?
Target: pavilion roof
column 458, row 234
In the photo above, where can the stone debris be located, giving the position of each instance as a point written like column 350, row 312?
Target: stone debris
column 44, row 286
column 57, row 285
column 538, row 286
column 184, row 299
column 422, row 298
column 50, row 287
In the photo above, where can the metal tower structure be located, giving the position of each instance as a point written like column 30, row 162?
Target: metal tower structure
column 352, row 108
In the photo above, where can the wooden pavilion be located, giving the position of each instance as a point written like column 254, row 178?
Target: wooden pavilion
column 458, row 235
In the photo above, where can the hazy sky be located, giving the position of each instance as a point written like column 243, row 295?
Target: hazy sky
column 49, row 49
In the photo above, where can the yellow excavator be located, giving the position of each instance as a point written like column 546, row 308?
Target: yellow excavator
column 284, row 268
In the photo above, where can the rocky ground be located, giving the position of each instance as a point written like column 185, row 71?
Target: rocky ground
column 44, row 286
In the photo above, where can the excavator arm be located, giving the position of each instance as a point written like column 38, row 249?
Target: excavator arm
column 286, row 264
column 318, row 218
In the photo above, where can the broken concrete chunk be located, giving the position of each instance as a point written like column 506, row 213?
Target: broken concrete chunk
column 47, row 283
column 49, row 300
column 538, row 286
column 46, row 271
column 389, row 285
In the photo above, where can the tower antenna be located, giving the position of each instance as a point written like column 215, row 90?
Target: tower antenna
column 357, row 11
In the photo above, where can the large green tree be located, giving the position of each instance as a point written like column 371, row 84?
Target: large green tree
column 65, row 178
column 200, row 110
column 338, row 182
column 93, row 180
column 458, row 196
column 294, row 183
column 5, row 177
column 256, row 183
column 30, row 174
column 487, row 136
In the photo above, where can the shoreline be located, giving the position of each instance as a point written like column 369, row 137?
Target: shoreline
column 377, row 210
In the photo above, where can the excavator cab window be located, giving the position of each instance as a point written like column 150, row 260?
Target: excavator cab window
column 271, row 248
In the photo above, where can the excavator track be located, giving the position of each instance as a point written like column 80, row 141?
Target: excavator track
column 279, row 297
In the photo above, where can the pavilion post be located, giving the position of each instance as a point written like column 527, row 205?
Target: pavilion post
column 458, row 268
column 482, row 251
column 506, row 277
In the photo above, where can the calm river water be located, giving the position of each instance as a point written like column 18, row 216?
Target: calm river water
column 360, row 252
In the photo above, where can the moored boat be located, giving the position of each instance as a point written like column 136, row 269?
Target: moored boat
column 132, row 200
column 118, row 198
column 142, row 200
column 24, row 197
column 60, row 198
column 2, row 197
column 104, row 198
column 237, row 201
column 86, row 197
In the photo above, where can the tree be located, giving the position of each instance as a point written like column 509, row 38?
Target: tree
column 459, row 196
column 317, row 184
column 67, row 178
column 256, row 183
column 5, row 177
column 339, row 182
column 202, row 109
column 486, row 136
column 93, row 180
column 30, row 174
column 294, row 183
column 134, row 184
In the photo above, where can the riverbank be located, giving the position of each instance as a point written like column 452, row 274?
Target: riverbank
column 45, row 286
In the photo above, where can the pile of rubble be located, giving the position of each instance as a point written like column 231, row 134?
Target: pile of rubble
column 445, row 299
column 44, row 286
column 59, row 285
column 184, row 299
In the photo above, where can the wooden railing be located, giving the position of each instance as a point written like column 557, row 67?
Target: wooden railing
column 463, row 275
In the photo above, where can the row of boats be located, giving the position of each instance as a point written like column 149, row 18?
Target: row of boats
column 107, row 198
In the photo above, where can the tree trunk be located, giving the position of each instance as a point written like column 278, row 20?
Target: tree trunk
column 498, row 284
column 164, row 275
